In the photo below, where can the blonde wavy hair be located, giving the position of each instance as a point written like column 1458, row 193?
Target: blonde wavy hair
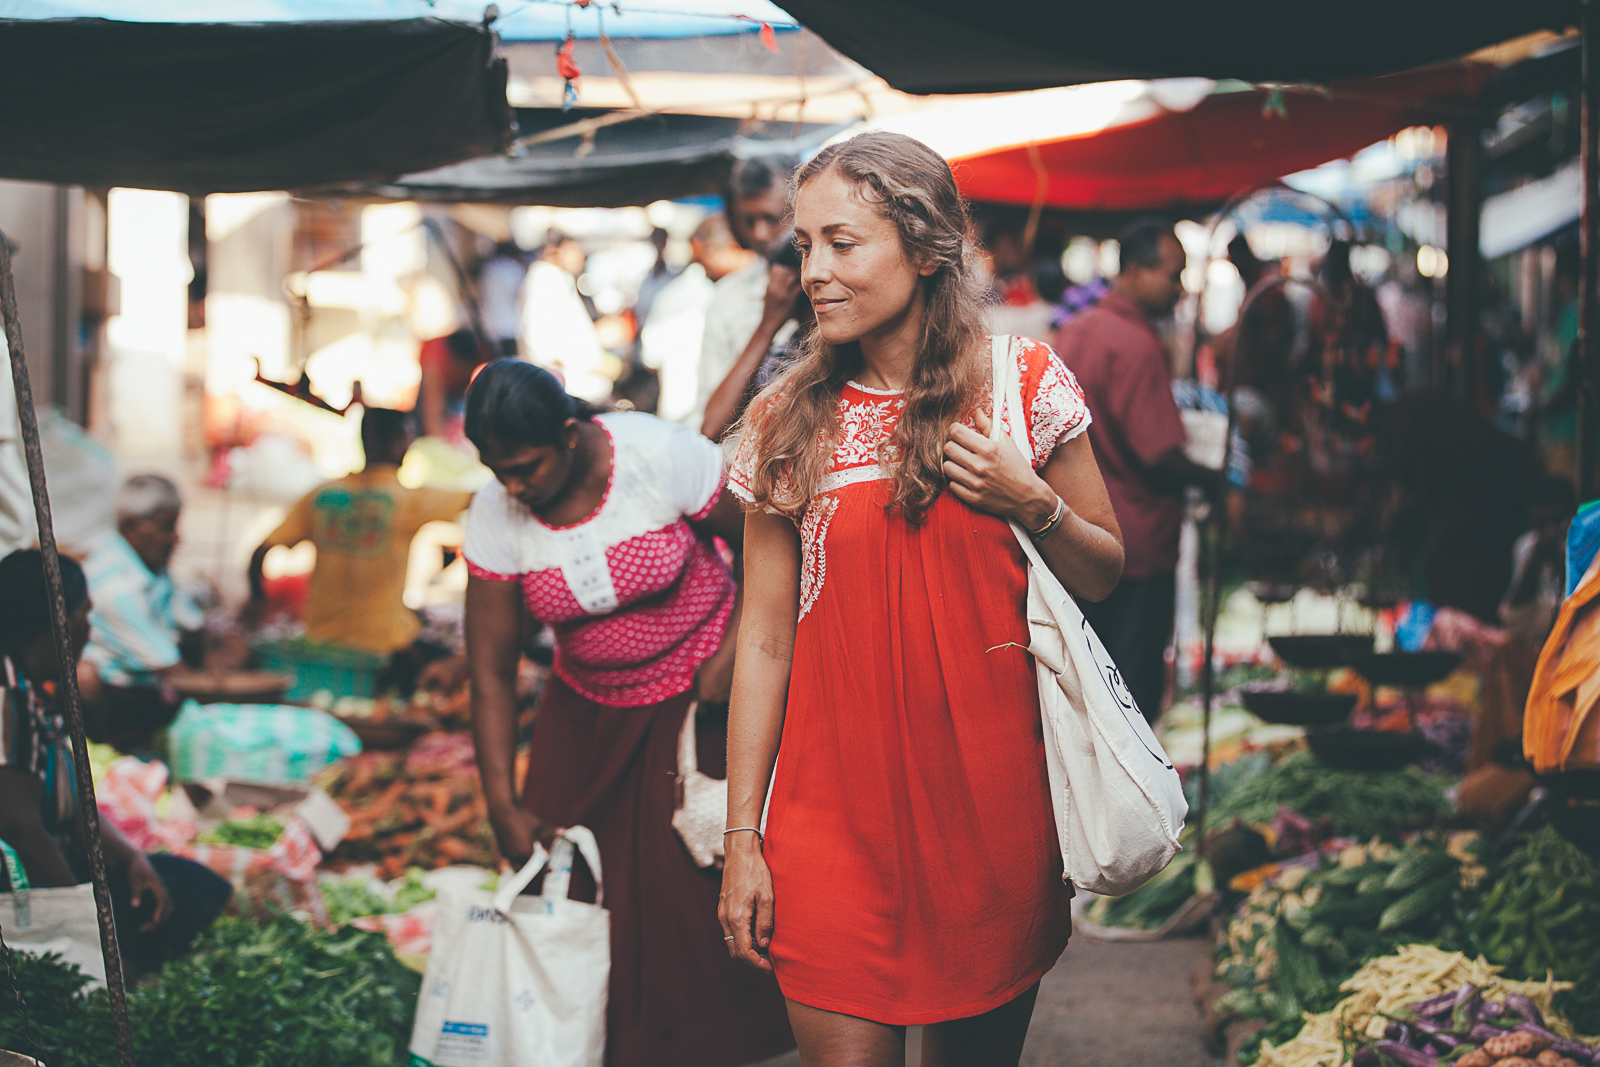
column 796, row 417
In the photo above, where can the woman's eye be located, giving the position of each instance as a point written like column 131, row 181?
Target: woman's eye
column 842, row 246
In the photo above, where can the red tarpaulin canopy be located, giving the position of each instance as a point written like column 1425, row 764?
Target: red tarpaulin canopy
column 1229, row 141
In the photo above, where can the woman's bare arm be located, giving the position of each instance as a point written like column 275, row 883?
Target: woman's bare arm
column 755, row 723
column 493, row 629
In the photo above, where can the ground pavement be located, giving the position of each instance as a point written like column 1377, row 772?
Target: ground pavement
column 1120, row 1004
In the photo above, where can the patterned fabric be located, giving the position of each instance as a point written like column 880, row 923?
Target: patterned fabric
column 637, row 600
column 33, row 739
column 137, row 616
column 867, row 418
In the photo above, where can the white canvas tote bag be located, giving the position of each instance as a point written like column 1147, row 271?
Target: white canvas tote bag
column 60, row 919
column 1118, row 803
column 517, row 981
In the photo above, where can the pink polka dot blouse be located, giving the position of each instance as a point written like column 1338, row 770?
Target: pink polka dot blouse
column 636, row 598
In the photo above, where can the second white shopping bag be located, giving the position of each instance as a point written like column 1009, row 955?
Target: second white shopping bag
column 519, row 981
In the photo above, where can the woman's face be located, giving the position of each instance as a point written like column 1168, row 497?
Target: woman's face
column 534, row 474
column 853, row 268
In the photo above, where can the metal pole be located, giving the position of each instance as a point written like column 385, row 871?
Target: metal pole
column 88, row 813
column 1585, row 359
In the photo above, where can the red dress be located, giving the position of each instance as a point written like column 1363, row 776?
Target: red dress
column 914, row 859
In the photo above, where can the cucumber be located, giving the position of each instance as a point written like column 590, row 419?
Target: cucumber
column 1414, row 905
column 1373, row 883
column 1418, row 867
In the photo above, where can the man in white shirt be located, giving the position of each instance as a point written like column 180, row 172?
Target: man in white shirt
column 757, row 195
column 557, row 331
column 499, row 292
column 674, row 327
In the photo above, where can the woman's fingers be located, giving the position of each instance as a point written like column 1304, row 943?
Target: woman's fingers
column 961, row 476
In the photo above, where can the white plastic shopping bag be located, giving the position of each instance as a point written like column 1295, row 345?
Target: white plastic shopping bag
column 1118, row 802
column 61, row 919
column 517, row 981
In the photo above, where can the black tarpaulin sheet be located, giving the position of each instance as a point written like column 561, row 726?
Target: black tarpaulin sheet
column 233, row 107
column 658, row 157
column 977, row 46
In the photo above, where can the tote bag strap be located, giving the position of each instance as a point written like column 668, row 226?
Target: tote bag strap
column 559, row 862
column 1007, row 396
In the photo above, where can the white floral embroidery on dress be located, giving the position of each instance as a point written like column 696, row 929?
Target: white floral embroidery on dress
column 1058, row 412
column 813, row 550
column 862, row 427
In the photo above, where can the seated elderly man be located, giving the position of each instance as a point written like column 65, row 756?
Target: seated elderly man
column 140, row 616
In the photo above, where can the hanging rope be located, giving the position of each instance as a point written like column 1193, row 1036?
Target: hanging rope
column 88, row 813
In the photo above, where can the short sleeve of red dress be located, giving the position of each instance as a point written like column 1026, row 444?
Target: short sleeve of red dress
column 1056, row 409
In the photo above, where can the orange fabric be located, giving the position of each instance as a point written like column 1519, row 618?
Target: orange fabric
column 1561, row 730
column 915, row 865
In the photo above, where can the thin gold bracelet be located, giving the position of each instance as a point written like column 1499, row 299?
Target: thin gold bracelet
column 1060, row 513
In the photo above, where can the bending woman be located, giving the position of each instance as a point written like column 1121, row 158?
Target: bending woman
column 910, row 872
column 602, row 527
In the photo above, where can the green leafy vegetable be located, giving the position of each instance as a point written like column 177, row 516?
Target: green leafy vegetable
column 247, row 995
column 258, row 832
column 1353, row 803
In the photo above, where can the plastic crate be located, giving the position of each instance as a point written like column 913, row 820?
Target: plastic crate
column 316, row 667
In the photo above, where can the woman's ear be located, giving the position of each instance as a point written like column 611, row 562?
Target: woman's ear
column 927, row 266
column 569, row 430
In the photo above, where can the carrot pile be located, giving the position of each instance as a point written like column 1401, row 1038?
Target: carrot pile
column 420, row 808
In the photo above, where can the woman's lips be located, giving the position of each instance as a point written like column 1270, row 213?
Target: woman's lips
column 823, row 305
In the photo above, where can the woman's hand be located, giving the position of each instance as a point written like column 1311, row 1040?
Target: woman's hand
column 516, row 831
column 145, row 888
column 745, row 909
column 994, row 477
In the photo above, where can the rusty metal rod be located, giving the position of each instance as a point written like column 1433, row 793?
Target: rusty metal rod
column 88, row 813
column 1587, row 358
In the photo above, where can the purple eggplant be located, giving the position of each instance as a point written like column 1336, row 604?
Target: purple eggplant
column 1405, row 1055
column 1398, row 1032
column 1433, row 1005
column 1491, row 1009
column 1364, row 1058
column 1524, row 1008
column 1483, row 1032
column 1444, row 1043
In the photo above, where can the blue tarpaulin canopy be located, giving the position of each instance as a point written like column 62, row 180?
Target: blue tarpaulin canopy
column 519, row 20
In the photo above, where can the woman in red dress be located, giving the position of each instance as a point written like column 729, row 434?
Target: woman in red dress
column 910, row 872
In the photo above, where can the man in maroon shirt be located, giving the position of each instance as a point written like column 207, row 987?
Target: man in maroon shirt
column 1138, row 439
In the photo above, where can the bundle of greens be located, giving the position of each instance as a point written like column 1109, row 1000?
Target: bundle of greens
column 1343, row 803
column 246, row 995
column 257, row 832
column 355, row 897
